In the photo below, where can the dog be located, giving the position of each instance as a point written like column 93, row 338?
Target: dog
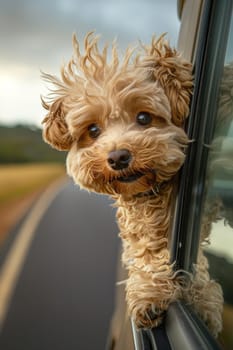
column 122, row 123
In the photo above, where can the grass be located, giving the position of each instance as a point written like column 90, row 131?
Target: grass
column 19, row 186
column 20, row 180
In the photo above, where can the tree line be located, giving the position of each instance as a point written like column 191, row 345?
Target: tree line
column 24, row 144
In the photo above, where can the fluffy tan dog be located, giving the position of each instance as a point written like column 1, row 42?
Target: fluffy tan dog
column 122, row 125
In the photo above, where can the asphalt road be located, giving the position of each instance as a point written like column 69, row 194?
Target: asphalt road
column 64, row 296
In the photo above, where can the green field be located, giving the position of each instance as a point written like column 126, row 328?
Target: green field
column 19, row 180
column 20, row 185
column 27, row 166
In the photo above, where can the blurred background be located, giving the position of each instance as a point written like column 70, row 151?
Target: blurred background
column 36, row 36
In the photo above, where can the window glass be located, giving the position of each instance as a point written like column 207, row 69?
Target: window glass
column 217, row 219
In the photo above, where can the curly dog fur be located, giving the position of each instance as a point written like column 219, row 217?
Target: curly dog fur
column 122, row 123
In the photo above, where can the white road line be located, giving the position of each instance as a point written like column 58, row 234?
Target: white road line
column 13, row 264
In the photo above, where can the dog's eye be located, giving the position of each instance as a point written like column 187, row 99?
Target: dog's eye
column 144, row 118
column 94, row 131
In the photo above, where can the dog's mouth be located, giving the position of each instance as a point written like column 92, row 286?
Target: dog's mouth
column 134, row 176
column 143, row 182
column 130, row 177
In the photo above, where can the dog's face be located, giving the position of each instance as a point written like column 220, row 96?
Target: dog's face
column 121, row 124
column 125, row 142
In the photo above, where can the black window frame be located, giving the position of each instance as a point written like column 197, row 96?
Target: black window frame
column 182, row 327
column 208, row 65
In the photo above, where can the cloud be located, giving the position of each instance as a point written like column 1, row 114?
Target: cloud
column 39, row 30
column 36, row 35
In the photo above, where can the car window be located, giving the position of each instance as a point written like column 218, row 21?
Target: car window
column 217, row 217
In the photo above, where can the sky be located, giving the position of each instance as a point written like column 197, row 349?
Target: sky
column 36, row 36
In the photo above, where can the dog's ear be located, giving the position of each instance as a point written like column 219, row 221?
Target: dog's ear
column 174, row 75
column 55, row 131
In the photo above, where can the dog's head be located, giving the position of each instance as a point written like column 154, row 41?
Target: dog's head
column 122, row 123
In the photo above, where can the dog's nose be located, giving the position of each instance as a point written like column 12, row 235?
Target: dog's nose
column 119, row 159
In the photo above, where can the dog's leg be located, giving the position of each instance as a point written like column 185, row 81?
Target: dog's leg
column 150, row 289
column 152, row 284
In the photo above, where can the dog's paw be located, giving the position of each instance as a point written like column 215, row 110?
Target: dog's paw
column 148, row 317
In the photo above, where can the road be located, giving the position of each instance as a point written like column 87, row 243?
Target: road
column 64, row 295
